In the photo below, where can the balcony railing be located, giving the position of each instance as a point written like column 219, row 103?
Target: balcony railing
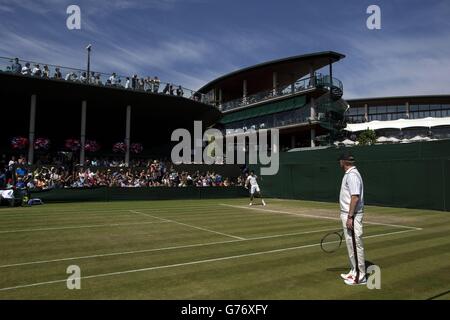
column 302, row 85
column 147, row 84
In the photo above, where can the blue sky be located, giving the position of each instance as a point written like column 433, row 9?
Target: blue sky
column 191, row 42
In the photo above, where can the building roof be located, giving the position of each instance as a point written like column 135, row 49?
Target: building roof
column 259, row 76
column 437, row 98
column 398, row 124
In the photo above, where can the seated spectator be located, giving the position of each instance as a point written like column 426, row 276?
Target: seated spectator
column 141, row 84
column 83, row 77
column 134, row 82
column 98, row 80
column 20, row 184
column 37, row 72
column 92, row 78
column 156, row 84
column 57, row 74
column 16, row 67
column 71, row 76
column 166, row 89
column 26, row 70
column 128, row 83
column 171, row 89
column 180, row 91
column 148, row 84
column 113, row 80
column 46, row 72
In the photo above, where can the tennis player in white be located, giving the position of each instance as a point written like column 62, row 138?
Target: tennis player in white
column 254, row 188
column 351, row 201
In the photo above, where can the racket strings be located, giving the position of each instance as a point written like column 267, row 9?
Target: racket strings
column 331, row 242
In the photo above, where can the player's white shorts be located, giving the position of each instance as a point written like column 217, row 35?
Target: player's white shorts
column 254, row 189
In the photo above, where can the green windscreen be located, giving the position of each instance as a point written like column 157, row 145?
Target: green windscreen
column 414, row 175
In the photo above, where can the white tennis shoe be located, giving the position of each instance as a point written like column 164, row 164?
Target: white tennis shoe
column 352, row 281
column 263, row 202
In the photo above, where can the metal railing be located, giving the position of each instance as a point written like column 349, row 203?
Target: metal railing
column 318, row 80
column 113, row 80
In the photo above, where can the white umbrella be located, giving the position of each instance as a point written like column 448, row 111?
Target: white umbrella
column 348, row 142
column 394, row 139
column 382, row 139
column 419, row 138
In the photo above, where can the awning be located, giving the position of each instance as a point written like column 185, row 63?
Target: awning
column 265, row 109
column 398, row 124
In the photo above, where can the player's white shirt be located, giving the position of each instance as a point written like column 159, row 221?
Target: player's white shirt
column 252, row 180
column 253, row 184
column 352, row 184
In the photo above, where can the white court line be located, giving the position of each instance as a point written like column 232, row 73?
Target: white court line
column 19, row 211
column 79, row 227
column 318, row 217
column 164, row 248
column 189, row 263
column 188, row 225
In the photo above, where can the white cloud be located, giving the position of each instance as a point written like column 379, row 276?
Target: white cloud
column 402, row 65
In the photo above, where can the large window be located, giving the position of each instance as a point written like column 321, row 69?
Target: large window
column 425, row 110
column 390, row 112
column 395, row 112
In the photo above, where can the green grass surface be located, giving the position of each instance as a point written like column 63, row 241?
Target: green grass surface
column 215, row 249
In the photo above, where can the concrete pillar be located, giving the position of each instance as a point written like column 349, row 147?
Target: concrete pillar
column 274, row 83
column 31, row 131
column 312, row 81
column 313, row 137
column 366, row 112
column 83, row 132
column 407, row 109
column 127, row 135
column 313, row 109
column 220, row 99
column 244, row 91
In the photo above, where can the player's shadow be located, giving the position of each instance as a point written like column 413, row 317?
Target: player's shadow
column 368, row 264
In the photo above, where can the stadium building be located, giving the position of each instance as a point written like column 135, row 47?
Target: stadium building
column 105, row 111
column 297, row 95
column 406, row 118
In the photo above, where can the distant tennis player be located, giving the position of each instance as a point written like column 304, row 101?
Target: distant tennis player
column 254, row 188
column 351, row 201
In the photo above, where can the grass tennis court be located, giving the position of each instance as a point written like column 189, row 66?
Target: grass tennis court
column 215, row 249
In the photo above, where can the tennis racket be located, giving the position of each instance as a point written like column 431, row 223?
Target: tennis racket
column 332, row 241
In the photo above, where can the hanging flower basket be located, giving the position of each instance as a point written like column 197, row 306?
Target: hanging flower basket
column 119, row 147
column 91, row 146
column 41, row 144
column 72, row 144
column 19, row 143
column 136, row 148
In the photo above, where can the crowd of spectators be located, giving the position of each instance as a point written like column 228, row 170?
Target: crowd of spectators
column 147, row 84
column 143, row 173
